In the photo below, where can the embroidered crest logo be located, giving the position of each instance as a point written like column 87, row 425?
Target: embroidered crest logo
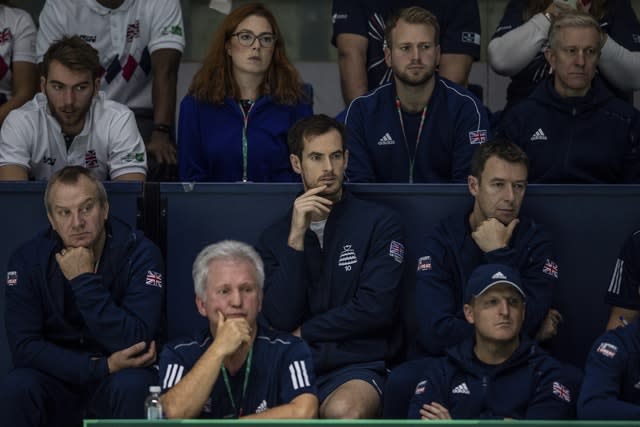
column 12, row 278
column 607, row 350
column 424, row 263
column 347, row 258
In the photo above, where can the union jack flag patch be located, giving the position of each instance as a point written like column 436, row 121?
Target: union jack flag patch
column 12, row 278
column 396, row 251
column 477, row 136
column 153, row 279
column 561, row 391
column 550, row 268
column 91, row 159
column 133, row 31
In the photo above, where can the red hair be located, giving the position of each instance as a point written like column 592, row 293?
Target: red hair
column 214, row 81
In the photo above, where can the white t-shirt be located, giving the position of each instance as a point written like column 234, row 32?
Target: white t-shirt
column 318, row 228
column 109, row 143
column 17, row 43
column 124, row 37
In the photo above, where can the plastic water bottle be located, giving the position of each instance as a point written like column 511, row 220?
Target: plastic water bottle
column 152, row 404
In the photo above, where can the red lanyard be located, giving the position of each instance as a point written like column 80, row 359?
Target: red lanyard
column 412, row 159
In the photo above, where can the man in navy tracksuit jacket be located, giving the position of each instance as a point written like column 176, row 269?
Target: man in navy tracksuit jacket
column 491, row 232
column 573, row 129
column 611, row 386
column 365, row 20
column 420, row 127
column 333, row 267
column 496, row 373
column 453, row 255
column 83, row 303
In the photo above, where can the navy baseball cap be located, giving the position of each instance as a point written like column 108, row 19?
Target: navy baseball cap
column 488, row 275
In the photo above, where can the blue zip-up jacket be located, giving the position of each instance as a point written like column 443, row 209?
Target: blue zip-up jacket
column 611, row 386
column 210, row 140
column 619, row 22
column 593, row 139
column 529, row 385
column 445, row 263
column 456, row 121
column 344, row 295
column 67, row 329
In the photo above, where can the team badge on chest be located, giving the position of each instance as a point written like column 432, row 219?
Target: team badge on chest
column 347, row 258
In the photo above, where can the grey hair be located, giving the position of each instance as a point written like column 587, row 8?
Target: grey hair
column 225, row 250
column 572, row 20
column 70, row 175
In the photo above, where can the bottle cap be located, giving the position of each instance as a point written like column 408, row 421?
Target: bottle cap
column 154, row 389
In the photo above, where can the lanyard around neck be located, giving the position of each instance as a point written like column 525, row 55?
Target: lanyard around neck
column 412, row 159
column 245, row 142
column 225, row 376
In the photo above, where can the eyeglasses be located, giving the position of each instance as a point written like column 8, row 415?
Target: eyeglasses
column 246, row 38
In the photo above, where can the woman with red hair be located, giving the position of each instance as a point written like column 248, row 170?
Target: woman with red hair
column 241, row 103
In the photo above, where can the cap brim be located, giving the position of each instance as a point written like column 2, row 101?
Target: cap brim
column 497, row 282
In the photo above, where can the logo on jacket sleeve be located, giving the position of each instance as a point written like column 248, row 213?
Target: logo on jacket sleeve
column 153, row 279
column 347, row 258
column 133, row 157
column 473, row 38
column 478, row 136
column 175, row 30
column 12, row 278
column 424, row 263
column 422, row 385
column 550, row 268
column 607, row 350
column 299, row 375
column 561, row 391
column 461, row 389
column 396, row 251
